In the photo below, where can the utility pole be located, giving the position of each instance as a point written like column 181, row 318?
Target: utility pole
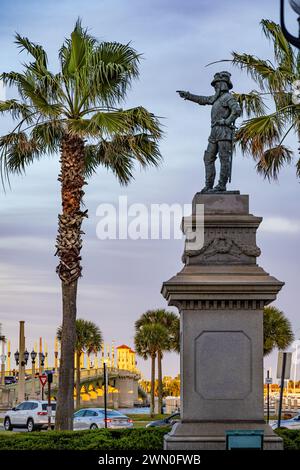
column 281, row 388
column 268, row 396
column 50, row 378
column 105, row 393
column 21, row 382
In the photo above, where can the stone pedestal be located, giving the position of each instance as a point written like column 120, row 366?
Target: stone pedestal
column 221, row 293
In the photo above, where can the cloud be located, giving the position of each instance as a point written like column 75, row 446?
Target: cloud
column 280, row 225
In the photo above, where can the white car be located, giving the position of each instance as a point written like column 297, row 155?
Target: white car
column 30, row 414
column 292, row 423
column 94, row 418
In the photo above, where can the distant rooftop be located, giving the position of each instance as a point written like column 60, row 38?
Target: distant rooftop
column 124, row 346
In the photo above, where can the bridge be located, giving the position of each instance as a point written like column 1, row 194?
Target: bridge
column 123, row 388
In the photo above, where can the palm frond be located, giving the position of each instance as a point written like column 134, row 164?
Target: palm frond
column 120, row 154
column 17, row 110
column 35, row 50
column 256, row 134
column 251, row 103
column 109, row 74
column 141, row 120
column 262, row 71
column 272, row 160
column 298, row 168
column 121, row 163
column 29, row 91
column 283, row 52
column 78, row 56
column 17, row 151
column 48, row 135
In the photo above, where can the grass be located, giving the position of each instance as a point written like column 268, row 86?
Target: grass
column 140, row 420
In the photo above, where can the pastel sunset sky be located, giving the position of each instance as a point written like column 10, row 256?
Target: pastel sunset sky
column 123, row 278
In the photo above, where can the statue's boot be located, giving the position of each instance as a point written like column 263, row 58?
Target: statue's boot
column 210, row 171
column 224, row 154
column 219, row 188
column 207, row 189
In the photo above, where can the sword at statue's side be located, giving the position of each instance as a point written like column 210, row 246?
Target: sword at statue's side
column 231, row 155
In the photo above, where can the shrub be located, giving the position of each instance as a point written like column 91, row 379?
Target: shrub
column 291, row 438
column 102, row 439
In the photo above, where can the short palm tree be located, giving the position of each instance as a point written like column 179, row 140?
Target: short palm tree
column 88, row 339
column 76, row 112
column 148, row 340
column 263, row 134
column 278, row 331
column 170, row 321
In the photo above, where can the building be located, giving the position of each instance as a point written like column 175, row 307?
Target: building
column 126, row 358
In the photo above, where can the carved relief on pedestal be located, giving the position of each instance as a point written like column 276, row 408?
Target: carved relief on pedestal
column 223, row 250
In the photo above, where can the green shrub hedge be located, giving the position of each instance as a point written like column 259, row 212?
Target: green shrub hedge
column 291, row 438
column 102, row 439
column 106, row 439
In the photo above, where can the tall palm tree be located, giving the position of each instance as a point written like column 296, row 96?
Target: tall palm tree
column 170, row 321
column 76, row 112
column 88, row 339
column 148, row 340
column 263, row 135
column 278, row 331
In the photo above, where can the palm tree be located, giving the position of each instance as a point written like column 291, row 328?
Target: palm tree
column 263, row 135
column 278, row 331
column 88, row 339
column 148, row 340
column 76, row 112
column 170, row 321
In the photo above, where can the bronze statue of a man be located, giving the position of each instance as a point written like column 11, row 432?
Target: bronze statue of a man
column 225, row 111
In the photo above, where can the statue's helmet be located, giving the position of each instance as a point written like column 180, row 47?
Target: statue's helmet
column 222, row 77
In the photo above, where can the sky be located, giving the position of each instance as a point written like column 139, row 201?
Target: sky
column 123, row 278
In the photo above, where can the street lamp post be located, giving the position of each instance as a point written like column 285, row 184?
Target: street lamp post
column 42, row 361
column 33, row 355
column 3, row 359
column 295, row 4
column 41, row 370
column 20, row 359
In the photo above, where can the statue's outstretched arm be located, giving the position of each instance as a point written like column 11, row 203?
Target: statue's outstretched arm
column 196, row 98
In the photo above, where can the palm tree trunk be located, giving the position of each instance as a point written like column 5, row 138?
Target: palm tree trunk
column 152, row 403
column 68, row 244
column 78, row 354
column 160, row 384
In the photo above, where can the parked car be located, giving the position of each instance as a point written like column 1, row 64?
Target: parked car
column 30, row 414
column 292, row 423
column 169, row 421
column 10, row 379
column 94, row 418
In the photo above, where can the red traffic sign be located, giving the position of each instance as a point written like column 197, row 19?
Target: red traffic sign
column 43, row 379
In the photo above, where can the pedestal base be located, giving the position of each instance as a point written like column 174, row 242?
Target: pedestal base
column 212, row 435
column 220, row 293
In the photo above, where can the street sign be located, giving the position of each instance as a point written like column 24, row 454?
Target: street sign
column 269, row 380
column 43, row 380
column 50, row 377
column 287, row 365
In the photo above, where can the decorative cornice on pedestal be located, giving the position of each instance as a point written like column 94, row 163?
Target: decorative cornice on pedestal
column 222, row 304
column 221, row 287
